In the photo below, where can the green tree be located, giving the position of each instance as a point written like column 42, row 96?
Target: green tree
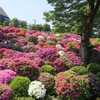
column 83, row 11
column 46, row 27
column 23, row 24
column 15, row 23
column 39, row 27
column 5, row 23
column 33, row 27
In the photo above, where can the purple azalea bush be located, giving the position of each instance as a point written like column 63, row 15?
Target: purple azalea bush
column 7, row 76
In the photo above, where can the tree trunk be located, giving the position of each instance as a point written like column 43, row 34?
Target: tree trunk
column 87, row 31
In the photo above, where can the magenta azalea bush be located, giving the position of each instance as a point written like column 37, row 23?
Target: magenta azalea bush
column 49, row 54
column 59, row 65
column 74, row 60
column 5, row 92
column 69, row 86
column 25, row 67
column 7, row 76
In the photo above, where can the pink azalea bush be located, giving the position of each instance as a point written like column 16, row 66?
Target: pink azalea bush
column 69, row 86
column 5, row 92
column 49, row 54
column 7, row 76
column 48, row 81
column 74, row 60
column 24, row 67
column 59, row 65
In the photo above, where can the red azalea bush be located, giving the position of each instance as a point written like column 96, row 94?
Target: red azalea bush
column 25, row 67
column 69, row 86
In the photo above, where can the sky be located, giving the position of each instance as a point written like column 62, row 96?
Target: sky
column 26, row 10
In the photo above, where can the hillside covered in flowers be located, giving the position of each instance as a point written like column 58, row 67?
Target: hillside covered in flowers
column 43, row 66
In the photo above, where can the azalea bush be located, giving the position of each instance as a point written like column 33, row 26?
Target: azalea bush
column 36, row 90
column 49, row 54
column 25, row 67
column 5, row 92
column 7, row 76
column 69, row 86
column 48, row 81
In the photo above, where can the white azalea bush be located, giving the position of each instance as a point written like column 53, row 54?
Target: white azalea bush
column 36, row 89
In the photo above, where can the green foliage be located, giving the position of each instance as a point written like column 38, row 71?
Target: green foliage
column 98, row 74
column 16, row 47
column 23, row 24
column 14, row 22
column 20, row 86
column 51, row 42
column 80, row 70
column 32, row 39
column 5, row 23
column 47, row 62
column 23, row 29
column 48, row 69
column 46, row 27
column 93, row 67
column 23, row 98
column 58, row 38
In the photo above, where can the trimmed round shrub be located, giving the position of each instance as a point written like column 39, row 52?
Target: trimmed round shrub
column 16, row 47
column 5, row 92
column 51, row 42
column 48, row 69
column 93, row 67
column 70, row 86
column 80, row 70
column 25, row 67
column 20, row 86
column 48, row 81
column 7, row 76
column 32, row 39
column 47, row 62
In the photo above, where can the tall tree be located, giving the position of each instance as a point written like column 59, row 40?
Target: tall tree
column 83, row 11
column 46, row 27
column 23, row 24
column 15, row 23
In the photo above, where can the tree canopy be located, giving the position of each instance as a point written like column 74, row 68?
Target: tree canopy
column 79, row 13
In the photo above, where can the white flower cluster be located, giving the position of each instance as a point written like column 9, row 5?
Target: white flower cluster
column 37, row 89
column 40, row 37
column 57, row 35
column 61, row 52
column 58, row 46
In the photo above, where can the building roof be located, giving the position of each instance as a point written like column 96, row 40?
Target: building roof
column 2, row 12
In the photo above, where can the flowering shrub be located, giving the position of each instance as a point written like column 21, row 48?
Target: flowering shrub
column 5, row 92
column 74, row 60
column 48, row 54
column 94, row 84
column 25, row 67
column 7, row 76
column 36, row 89
column 69, row 86
column 11, row 35
column 59, row 65
column 23, row 41
column 48, row 81
column 1, row 35
column 51, row 39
